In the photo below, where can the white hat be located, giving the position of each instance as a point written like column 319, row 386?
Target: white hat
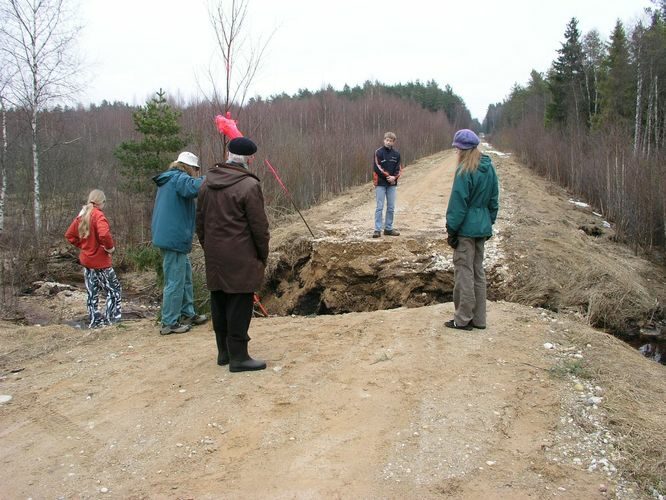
column 188, row 159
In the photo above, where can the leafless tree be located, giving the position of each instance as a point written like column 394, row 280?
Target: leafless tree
column 4, row 83
column 38, row 38
column 241, row 58
column 594, row 51
column 3, row 156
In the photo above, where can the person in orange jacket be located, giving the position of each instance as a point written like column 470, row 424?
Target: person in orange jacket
column 90, row 232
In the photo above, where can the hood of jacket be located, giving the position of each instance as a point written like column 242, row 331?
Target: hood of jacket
column 224, row 175
column 164, row 177
column 485, row 164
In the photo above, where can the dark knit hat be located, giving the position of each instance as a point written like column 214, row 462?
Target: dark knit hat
column 242, row 146
column 465, row 139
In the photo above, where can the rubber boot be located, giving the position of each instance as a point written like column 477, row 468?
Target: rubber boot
column 223, row 358
column 222, row 352
column 240, row 360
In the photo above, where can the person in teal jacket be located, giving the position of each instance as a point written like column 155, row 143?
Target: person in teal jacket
column 470, row 216
column 172, row 229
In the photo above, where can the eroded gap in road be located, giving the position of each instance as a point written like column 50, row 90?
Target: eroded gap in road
column 335, row 276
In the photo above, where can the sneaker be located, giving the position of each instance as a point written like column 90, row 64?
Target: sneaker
column 175, row 328
column 391, row 232
column 452, row 324
column 197, row 319
column 376, row 234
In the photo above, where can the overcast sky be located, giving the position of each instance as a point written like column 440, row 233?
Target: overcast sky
column 134, row 47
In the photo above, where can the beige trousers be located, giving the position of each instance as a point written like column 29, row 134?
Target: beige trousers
column 469, row 291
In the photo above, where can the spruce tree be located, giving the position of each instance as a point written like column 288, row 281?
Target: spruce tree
column 566, row 81
column 617, row 83
column 140, row 161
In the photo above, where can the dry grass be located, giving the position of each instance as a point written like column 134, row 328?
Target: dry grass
column 573, row 274
column 559, row 267
column 635, row 402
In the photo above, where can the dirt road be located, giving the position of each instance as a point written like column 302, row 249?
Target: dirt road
column 376, row 404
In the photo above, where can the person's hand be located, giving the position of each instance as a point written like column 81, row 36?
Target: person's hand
column 390, row 179
column 452, row 237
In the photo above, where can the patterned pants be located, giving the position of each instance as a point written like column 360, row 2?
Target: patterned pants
column 107, row 280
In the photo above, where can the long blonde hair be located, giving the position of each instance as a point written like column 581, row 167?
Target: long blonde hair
column 96, row 197
column 469, row 160
column 183, row 167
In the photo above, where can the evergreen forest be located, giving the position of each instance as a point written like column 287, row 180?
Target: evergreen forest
column 595, row 123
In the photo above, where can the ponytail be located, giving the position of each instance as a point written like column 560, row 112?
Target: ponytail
column 96, row 197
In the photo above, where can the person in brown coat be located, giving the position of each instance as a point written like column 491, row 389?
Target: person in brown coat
column 233, row 230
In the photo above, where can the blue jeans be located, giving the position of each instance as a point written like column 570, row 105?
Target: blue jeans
column 178, row 293
column 388, row 192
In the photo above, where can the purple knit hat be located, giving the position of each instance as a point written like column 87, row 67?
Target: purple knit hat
column 465, row 139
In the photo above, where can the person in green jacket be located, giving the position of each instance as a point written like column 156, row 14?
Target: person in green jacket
column 470, row 216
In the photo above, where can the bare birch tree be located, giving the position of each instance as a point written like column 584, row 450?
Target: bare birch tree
column 240, row 57
column 593, row 49
column 3, row 157
column 639, row 106
column 38, row 44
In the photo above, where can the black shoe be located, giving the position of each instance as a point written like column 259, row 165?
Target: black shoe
column 175, row 328
column 391, row 232
column 478, row 327
column 196, row 320
column 248, row 365
column 223, row 358
column 452, row 324
column 376, row 234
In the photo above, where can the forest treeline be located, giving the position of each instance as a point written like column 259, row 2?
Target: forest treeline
column 321, row 143
column 596, row 123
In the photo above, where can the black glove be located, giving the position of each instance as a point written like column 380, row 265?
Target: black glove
column 452, row 238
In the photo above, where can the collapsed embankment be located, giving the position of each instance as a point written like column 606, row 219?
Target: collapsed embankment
column 333, row 276
column 548, row 251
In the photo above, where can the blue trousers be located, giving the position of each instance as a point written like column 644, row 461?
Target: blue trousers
column 382, row 192
column 178, row 293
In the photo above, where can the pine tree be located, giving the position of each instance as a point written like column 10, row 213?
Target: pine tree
column 158, row 123
column 566, row 81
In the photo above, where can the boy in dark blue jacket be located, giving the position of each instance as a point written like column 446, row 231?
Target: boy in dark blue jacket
column 387, row 168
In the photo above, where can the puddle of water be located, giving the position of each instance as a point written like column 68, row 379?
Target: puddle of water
column 652, row 349
column 81, row 324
